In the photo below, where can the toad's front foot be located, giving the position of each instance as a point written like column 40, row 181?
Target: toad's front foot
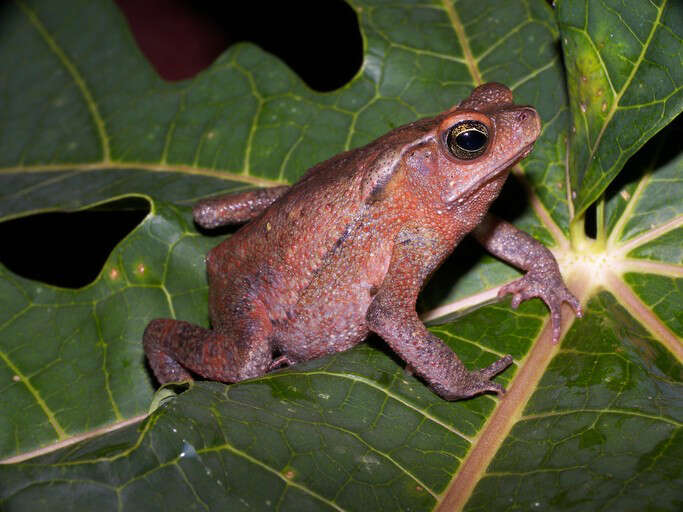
column 550, row 288
column 474, row 383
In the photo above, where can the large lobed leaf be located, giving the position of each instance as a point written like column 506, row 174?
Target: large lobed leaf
column 593, row 423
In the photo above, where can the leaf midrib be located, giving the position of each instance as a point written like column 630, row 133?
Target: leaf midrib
column 144, row 166
column 26, row 381
column 509, row 409
column 459, row 30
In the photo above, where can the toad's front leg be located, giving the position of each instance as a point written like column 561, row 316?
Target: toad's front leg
column 543, row 278
column 392, row 315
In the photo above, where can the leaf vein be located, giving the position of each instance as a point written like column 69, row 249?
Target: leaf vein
column 374, row 385
column 75, row 75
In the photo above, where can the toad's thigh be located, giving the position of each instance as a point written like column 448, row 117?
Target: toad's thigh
column 235, row 291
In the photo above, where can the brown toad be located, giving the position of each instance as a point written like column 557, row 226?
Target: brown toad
column 346, row 250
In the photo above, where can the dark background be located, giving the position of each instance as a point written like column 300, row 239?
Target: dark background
column 319, row 40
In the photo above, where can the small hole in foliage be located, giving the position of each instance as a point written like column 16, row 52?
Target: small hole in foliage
column 68, row 249
column 320, row 41
column 591, row 223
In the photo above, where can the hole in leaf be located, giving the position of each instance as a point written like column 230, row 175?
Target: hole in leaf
column 68, row 249
column 320, row 41
column 590, row 226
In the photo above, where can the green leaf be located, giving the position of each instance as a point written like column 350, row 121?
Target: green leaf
column 625, row 77
column 603, row 429
column 590, row 424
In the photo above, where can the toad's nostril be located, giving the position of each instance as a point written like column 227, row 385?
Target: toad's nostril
column 528, row 114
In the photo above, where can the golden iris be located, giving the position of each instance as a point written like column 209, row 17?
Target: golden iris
column 467, row 139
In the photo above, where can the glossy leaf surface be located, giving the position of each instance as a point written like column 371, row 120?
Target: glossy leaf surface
column 626, row 69
column 591, row 423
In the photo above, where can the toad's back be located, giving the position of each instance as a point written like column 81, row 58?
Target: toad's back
column 313, row 258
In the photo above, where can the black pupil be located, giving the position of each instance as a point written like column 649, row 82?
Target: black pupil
column 471, row 140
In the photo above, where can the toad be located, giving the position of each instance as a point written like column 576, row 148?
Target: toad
column 345, row 251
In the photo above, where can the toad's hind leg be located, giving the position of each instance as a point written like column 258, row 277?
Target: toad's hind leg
column 173, row 347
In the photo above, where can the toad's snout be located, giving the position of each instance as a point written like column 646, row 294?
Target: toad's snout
column 527, row 113
column 529, row 121
column 517, row 127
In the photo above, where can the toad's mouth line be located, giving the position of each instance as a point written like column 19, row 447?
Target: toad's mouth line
column 461, row 197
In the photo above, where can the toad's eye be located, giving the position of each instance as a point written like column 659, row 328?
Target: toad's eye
column 467, row 139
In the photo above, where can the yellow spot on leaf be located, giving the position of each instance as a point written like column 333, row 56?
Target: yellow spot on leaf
column 592, row 95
